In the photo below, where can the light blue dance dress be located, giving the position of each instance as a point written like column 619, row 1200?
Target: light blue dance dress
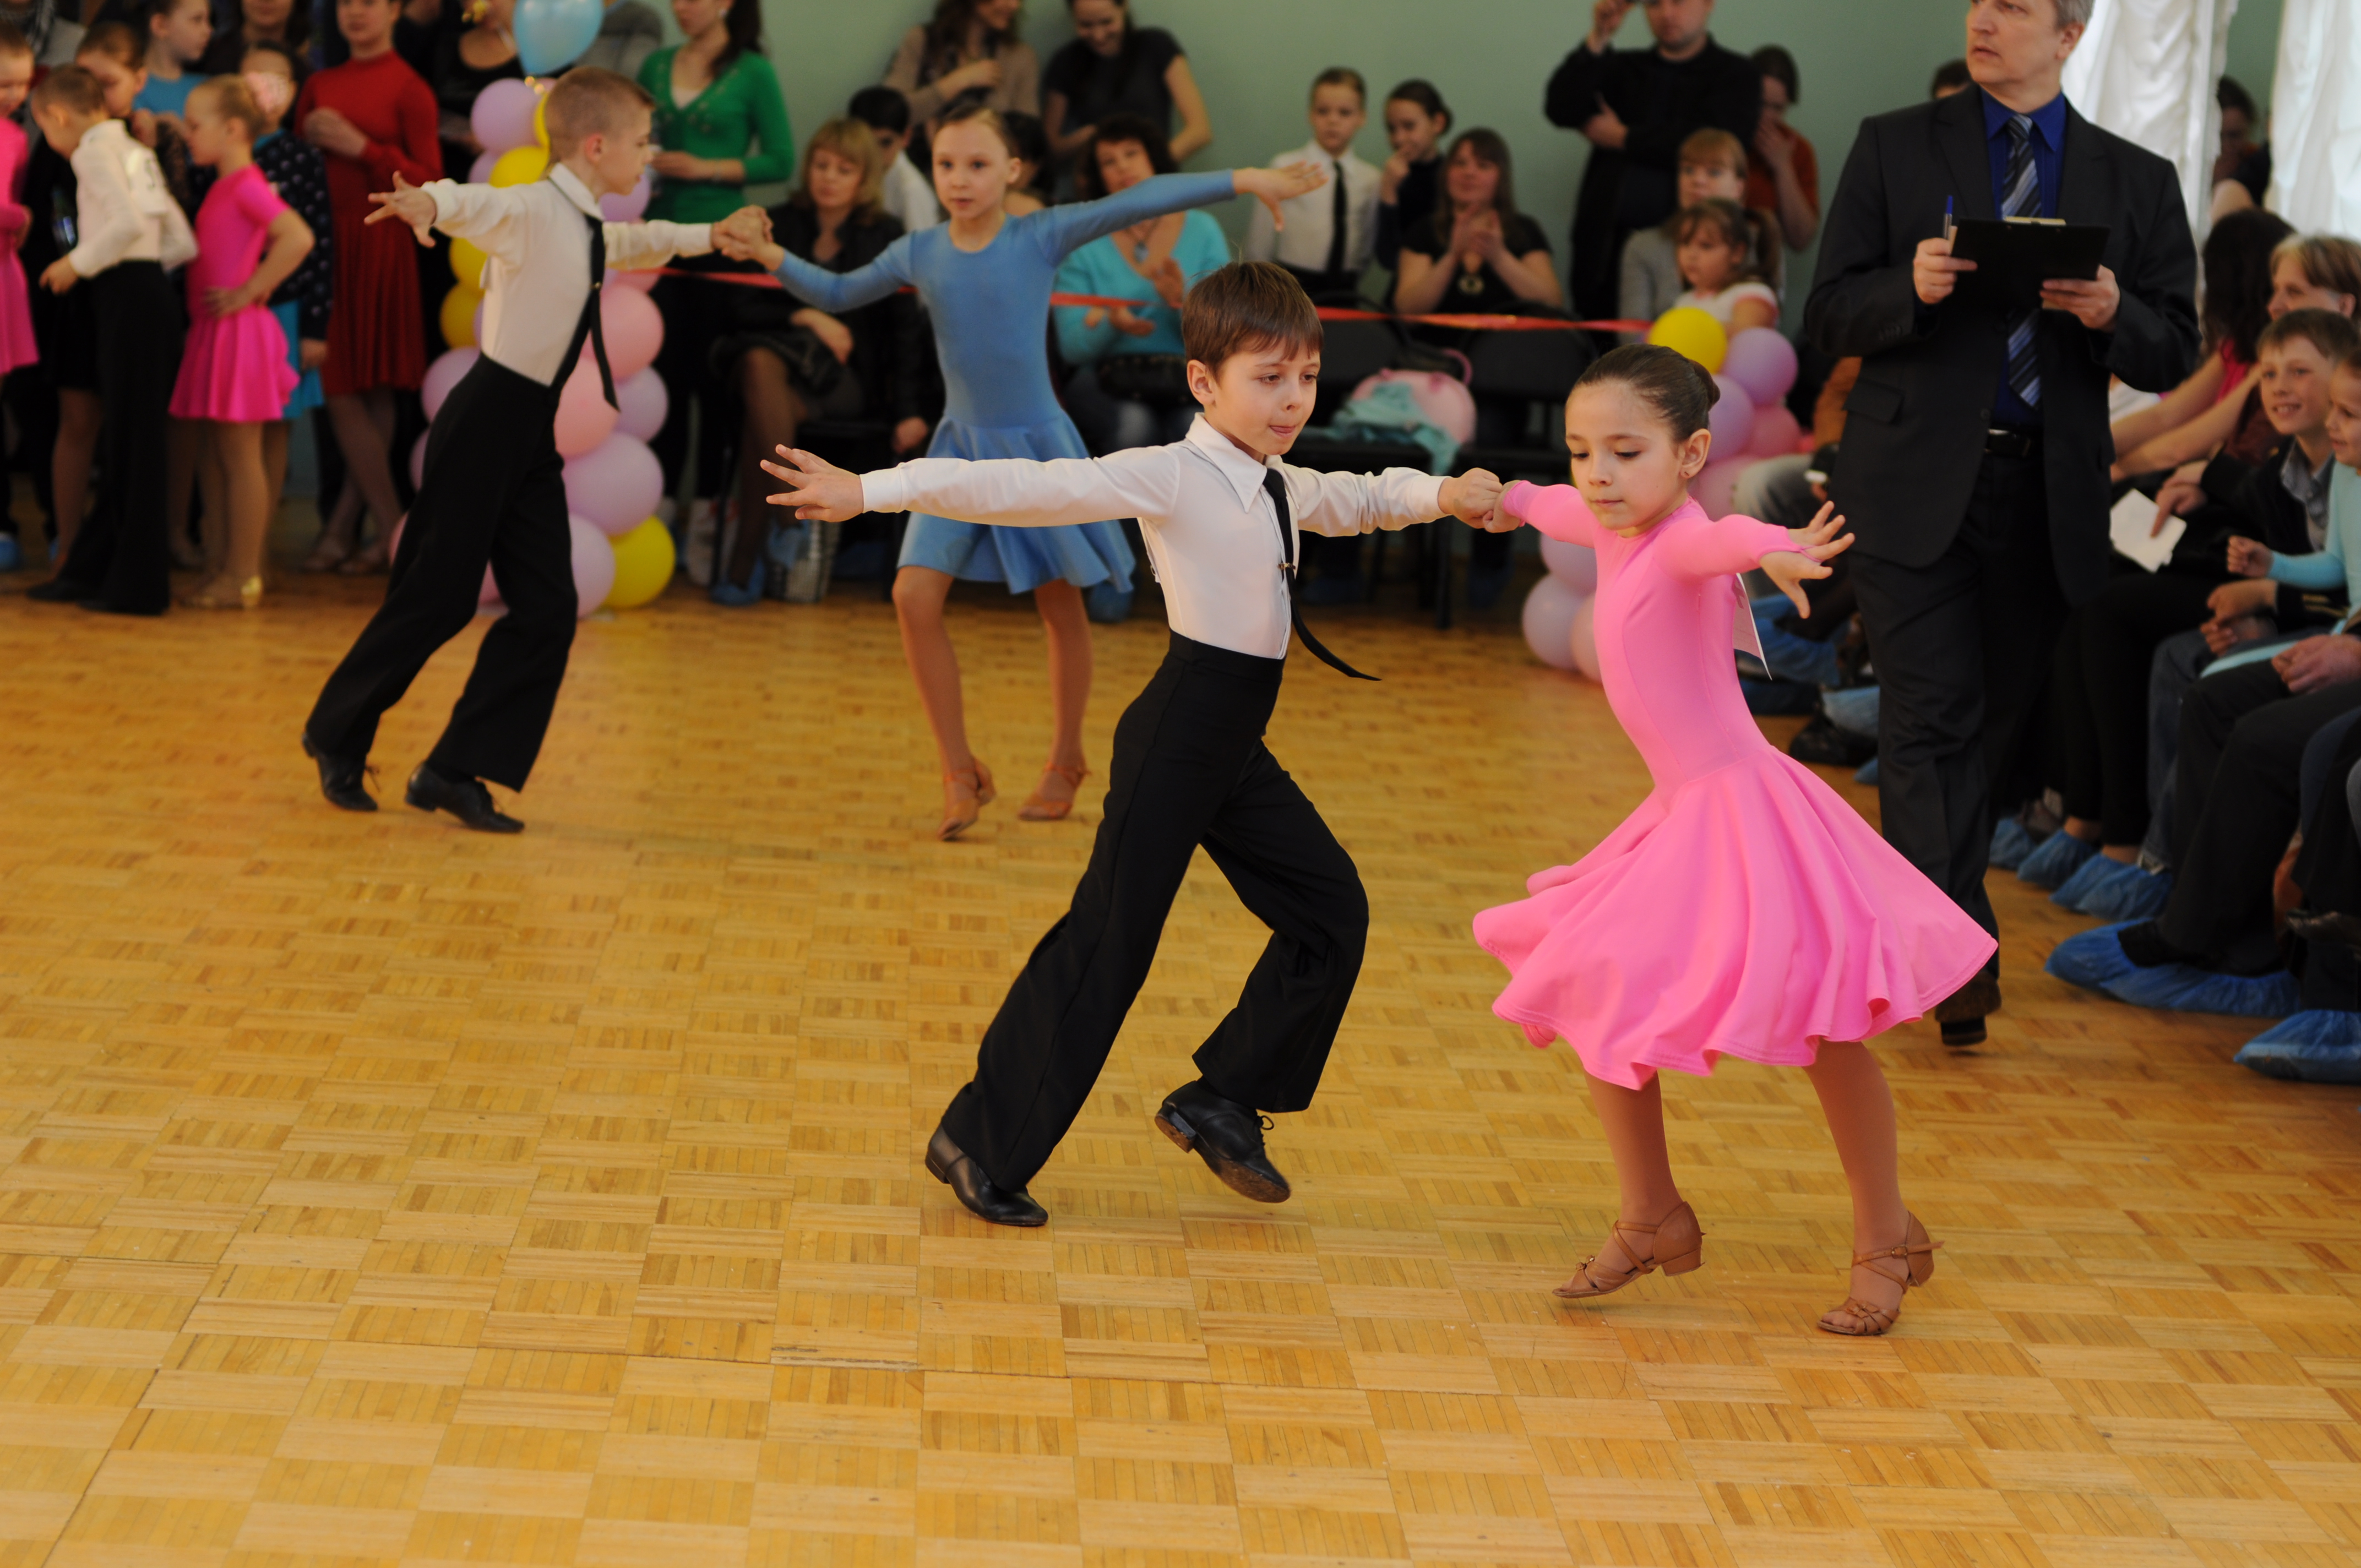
column 990, row 311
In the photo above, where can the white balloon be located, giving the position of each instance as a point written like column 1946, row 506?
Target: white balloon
column 645, row 403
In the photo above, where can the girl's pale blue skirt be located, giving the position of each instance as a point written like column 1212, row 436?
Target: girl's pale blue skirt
column 1024, row 558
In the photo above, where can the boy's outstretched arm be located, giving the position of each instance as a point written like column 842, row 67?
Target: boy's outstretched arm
column 817, row 489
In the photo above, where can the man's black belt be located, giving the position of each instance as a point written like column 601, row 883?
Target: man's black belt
column 1999, row 443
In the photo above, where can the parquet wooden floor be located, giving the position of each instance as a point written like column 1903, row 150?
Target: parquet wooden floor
column 375, row 1191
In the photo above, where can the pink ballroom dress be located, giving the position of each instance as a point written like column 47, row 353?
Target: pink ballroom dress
column 235, row 367
column 16, row 311
column 1744, row 909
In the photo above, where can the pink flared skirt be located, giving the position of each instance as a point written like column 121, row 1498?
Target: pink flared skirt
column 235, row 368
column 1749, row 912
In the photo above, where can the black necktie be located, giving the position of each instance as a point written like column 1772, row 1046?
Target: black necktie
column 590, row 326
column 1276, row 488
column 1337, row 222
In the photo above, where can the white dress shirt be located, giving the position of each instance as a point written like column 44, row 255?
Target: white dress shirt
column 1211, row 530
column 909, row 196
column 121, row 210
column 1312, row 217
column 539, row 274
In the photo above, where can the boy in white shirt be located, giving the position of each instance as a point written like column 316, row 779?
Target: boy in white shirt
column 1221, row 518
column 1330, row 233
column 908, row 195
column 131, row 233
column 494, row 492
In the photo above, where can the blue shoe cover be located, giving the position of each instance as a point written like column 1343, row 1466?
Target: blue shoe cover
column 730, row 595
column 1854, row 711
column 2060, row 856
column 2011, row 844
column 2139, row 896
column 2092, row 876
column 2309, row 1048
column 2177, row 988
column 1866, row 773
column 1110, row 606
column 2090, row 958
column 11, row 557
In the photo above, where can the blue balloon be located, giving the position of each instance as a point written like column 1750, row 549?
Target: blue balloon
column 552, row 34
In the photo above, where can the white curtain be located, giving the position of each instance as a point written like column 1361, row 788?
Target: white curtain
column 2147, row 70
column 2316, row 117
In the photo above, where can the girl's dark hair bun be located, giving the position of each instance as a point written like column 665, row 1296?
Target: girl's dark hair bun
column 1679, row 388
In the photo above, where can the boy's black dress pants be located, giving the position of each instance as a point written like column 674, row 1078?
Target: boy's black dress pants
column 120, row 553
column 494, row 495
column 1190, row 768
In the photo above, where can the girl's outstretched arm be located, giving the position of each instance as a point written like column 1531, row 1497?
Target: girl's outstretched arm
column 1695, row 547
column 1557, row 510
column 837, row 292
column 1068, row 228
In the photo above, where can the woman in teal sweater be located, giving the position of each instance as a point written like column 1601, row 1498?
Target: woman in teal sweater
column 722, row 126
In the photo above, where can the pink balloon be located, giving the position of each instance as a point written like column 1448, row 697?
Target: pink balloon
column 1763, row 362
column 480, row 172
column 418, row 460
column 1582, row 639
column 1549, row 621
column 444, row 374
column 635, row 330
column 1733, row 418
column 638, row 282
column 626, row 207
column 584, row 418
column 502, row 118
column 594, row 567
column 1711, row 489
column 1775, row 432
column 1576, row 565
column 615, row 484
column 645, row 403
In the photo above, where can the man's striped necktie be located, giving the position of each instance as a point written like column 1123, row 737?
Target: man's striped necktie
column 2023, row 199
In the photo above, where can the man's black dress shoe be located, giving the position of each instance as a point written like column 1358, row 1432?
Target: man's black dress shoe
column 342, row 780
column 108, row 607
column 59, row 590
column 2332, row 928
column 465, row 799
column 1227, row 1136
column 947, row 1164
column 1961, row 1014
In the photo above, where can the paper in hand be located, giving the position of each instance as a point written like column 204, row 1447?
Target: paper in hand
column 2128, row 526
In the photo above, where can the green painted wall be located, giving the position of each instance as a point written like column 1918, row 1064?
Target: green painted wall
column 2255, row 47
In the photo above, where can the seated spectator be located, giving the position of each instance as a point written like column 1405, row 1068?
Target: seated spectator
column 2211, row 412
column 969, row 52
column 1410, row 184
column 909, row 195
column 2242, row 170
column 1326, row 257
column 1782, row 173
column 1115, row 68
column 1025, row 193
column 1713, row 168
column 1131, row 380
column 789, row 363
column 1723, row 250
column 2316, row 271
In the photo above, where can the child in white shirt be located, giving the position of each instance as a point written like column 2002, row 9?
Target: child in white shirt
column 1331, row 234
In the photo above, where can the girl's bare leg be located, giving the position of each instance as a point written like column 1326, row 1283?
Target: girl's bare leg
column 1068, row 627
column 920, row 593
column 1860, row 1109
column 1634, row 1123
column 78, row 415
column 364, row 425
column 237, row 458
column 213, row 487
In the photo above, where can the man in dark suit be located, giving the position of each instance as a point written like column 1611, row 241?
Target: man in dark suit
column 1637, row 107
column 1976, row 448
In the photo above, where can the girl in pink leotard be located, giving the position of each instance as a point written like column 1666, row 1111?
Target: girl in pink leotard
column 1744, row 909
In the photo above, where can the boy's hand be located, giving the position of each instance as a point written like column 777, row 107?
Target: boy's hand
column 408, row 203
column 2248, row 559
column 1272, row 186
column 311, row 352
column 1815, row 547
column 748, row 226
column 817, row 489
column 1474, row 497
column 59, row 276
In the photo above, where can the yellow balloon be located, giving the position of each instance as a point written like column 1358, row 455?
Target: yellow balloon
column 643, row 563
column 468, row 263
column 521, row 165
column 1687, row 330
column 459, row 316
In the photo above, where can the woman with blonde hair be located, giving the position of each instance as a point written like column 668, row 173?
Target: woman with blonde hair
column 788, row 363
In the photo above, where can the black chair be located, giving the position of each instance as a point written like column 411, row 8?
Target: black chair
column 1538, row 367
column 1327, row 455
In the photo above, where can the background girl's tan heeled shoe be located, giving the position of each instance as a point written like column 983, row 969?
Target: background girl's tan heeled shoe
column 223, row 594
column 966, row 792
column 1674, row 1245
column 1038, row 809
column 1917, row 1255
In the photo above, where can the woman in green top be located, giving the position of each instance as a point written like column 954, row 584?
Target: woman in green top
column 723, row 127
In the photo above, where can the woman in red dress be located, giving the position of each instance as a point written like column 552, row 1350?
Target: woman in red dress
column 374, row 118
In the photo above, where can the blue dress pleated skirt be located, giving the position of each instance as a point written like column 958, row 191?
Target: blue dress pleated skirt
column 307, row 395
column 1024, row 558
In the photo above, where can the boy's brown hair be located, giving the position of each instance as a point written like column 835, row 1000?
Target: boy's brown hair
column 118, row 41
column 13, row 40
column 1342, row 76
column 1246, row 306
column 587, row 102
column 71, row 88
column 2335, row 335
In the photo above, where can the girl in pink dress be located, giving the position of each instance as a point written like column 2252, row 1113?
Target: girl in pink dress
column 16, row 314
column 236, row 373
column 1744, row 909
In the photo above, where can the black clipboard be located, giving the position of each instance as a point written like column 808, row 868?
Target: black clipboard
column 2015, row 258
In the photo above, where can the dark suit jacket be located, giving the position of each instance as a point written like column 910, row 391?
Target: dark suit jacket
column 1917, row 418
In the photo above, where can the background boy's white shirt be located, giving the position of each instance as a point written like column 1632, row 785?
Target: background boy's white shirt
column 909, row 197
column 1310, row 217
column 1208, row 523
column 124, row 211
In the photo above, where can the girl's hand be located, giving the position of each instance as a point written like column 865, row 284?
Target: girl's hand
column 1474, row 497
column 1390, row 178
column 1170, row 283
column 679, row 166
column 819, row 491
column 311, row 353
column 1272, row 186
column 406, row 203
column 909, row 435
column 985, row 73
column 2221, row 635
column 2248, row 559
column 1815, row 546
column 331, row 132
column 1131, row 325
column 228, row 301
column 59, row 276
column 833, row 334
column 2250, row 596
column 1813, row 538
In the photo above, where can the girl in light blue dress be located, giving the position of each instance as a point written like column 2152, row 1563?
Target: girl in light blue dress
column 985, row 279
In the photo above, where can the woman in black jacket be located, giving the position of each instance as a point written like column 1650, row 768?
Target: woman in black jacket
column 790, row 364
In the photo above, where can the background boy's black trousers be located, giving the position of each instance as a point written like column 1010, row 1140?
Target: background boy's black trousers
column 120, row 553
column 1190, row 768
column 494, row 494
